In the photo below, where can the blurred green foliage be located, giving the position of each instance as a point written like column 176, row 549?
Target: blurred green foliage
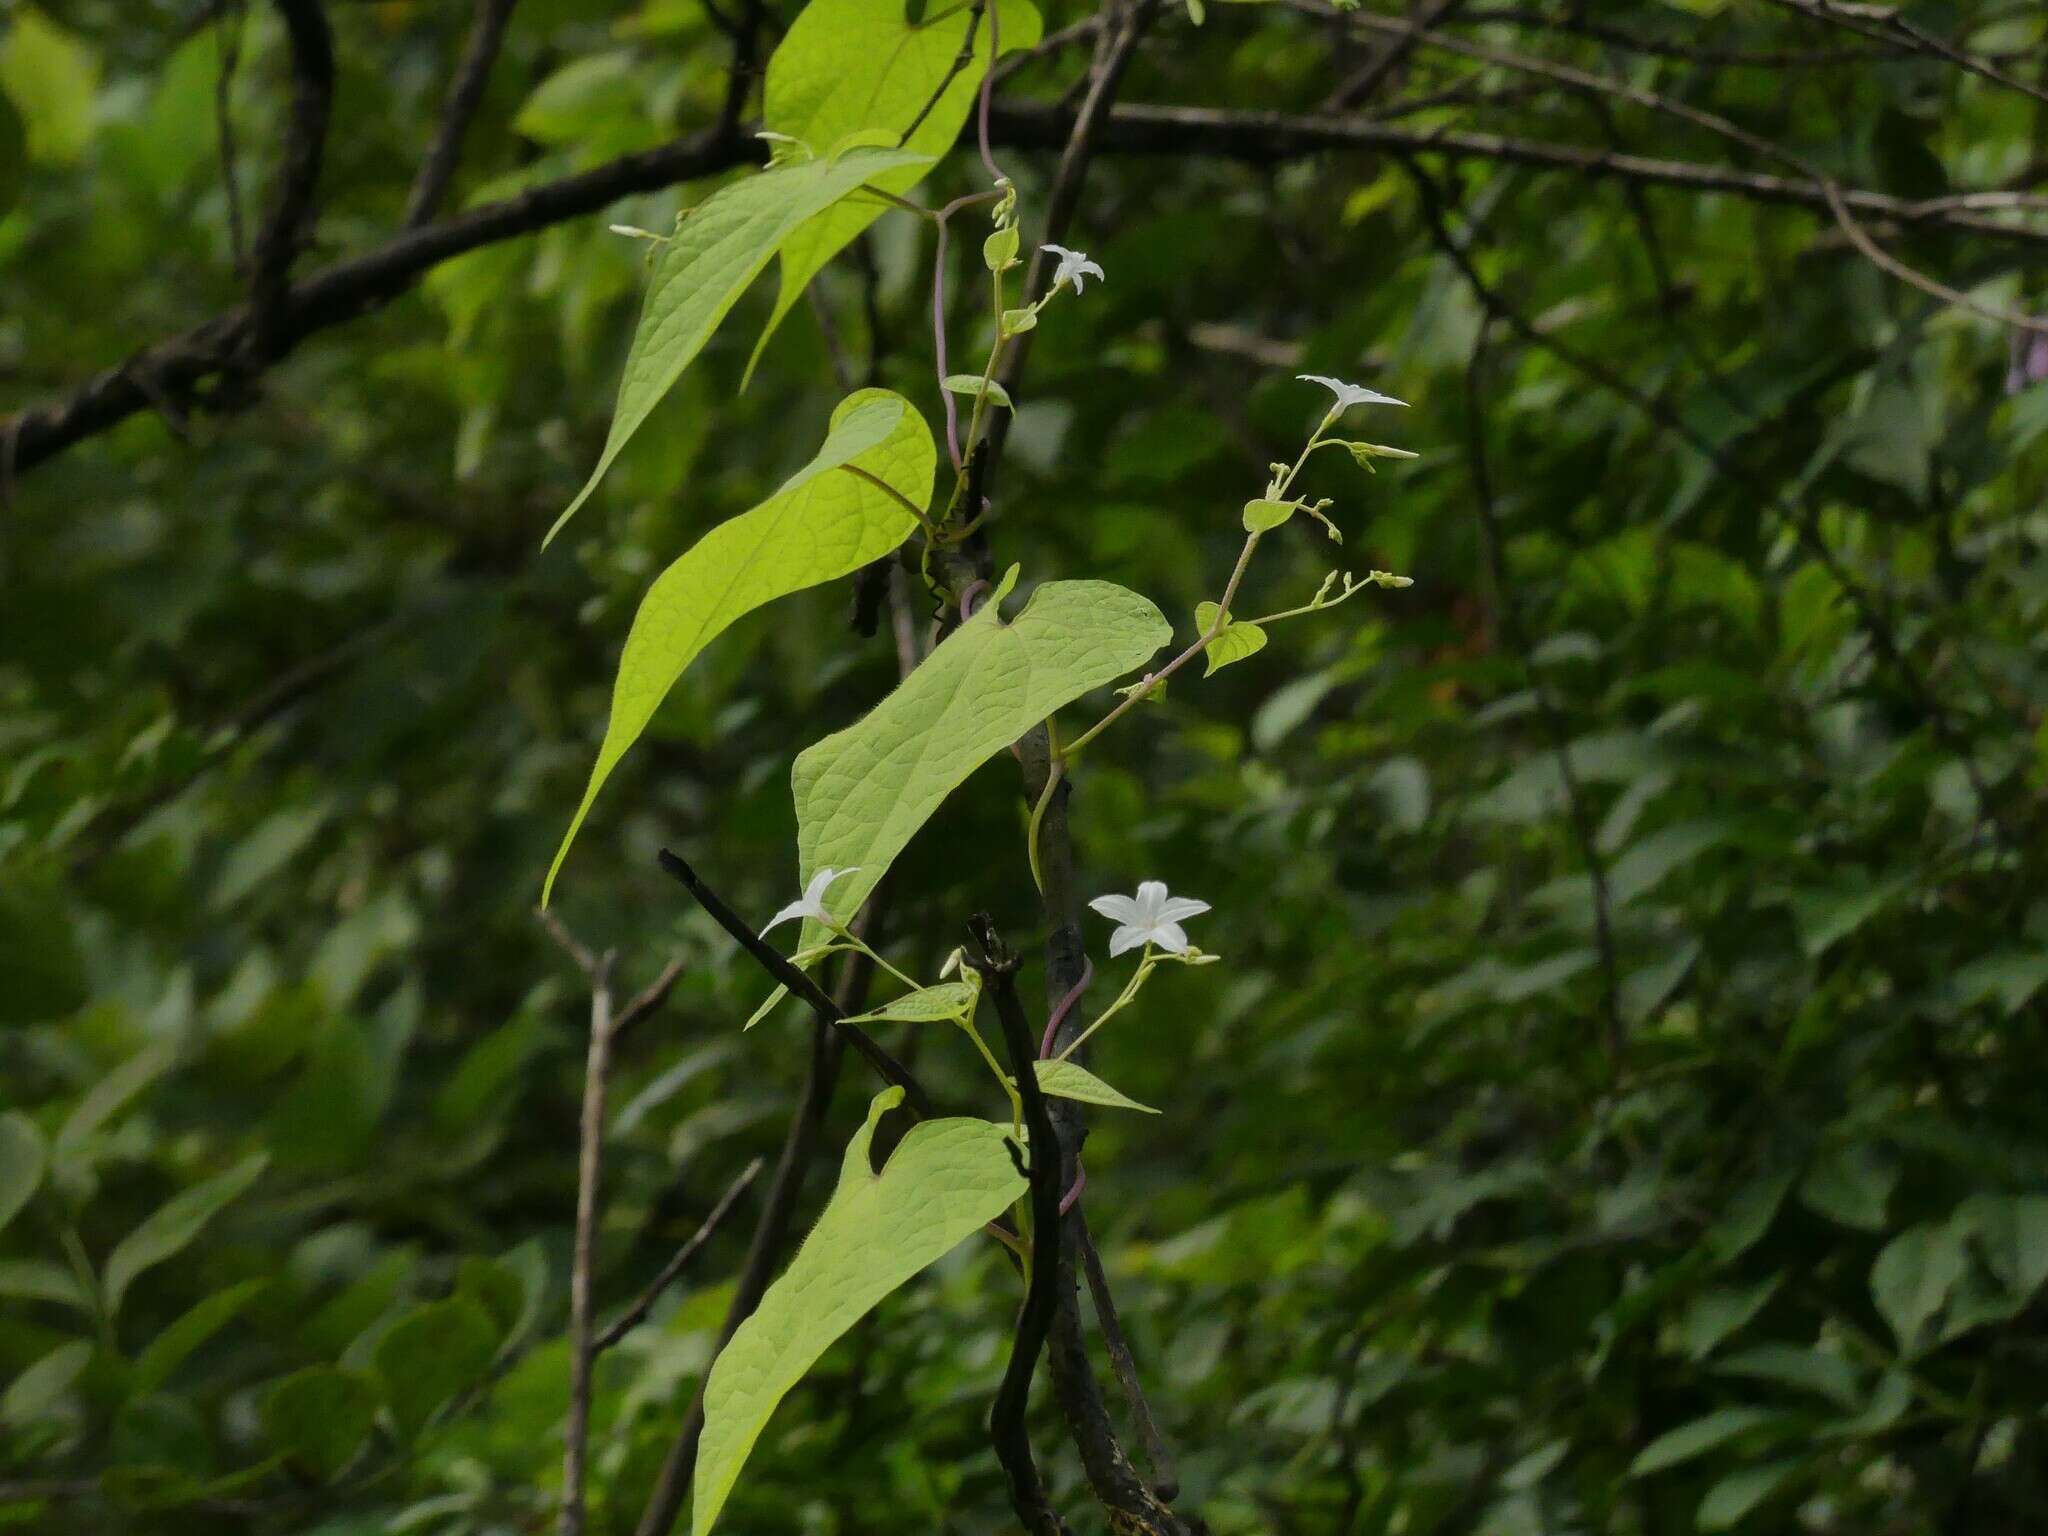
column 1448, row 1225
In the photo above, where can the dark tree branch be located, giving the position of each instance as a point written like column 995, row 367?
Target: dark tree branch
column 311, row 42
column 472, row 74
column 998, row 967
column 806, row 991
column 177, row 368
column 636, row 1314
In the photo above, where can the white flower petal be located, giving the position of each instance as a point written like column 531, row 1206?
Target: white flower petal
column 1171, row 937
column 1151, row 897
column 794, row 909
column 1178, row 908
column 1348, row 395
column 1118, row 909
column 1126, row 938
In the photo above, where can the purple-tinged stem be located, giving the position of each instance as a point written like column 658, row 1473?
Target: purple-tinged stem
column 1066, row 1006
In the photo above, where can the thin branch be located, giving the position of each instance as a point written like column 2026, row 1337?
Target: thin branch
column 1884, row 23
column 998, row 968
column 1362, row 86
column 636, row 1314
column 1270, row 137
column 589, row 1166
column 648, row 999
column 472, row 74
column 1165, row 1477
column 177, row 367
column 806, row 991
column 311, row 44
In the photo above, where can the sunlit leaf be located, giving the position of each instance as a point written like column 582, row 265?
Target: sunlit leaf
column 862, row 793
column 812, row 94
column 1234, row 644
column 701, row 273
column 825, row 521
column 1071, row 1080
column 947, row 1000
column 945, row 1181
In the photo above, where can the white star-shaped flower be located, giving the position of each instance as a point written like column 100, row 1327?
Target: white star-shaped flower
column 1150, row 917
column 1074, row 265
column 812, row 903
column 1348, row 395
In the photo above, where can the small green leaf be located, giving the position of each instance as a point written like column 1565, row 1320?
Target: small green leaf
column 862, row 794
column 1235, row 643
column 43, row 1280
column 319, row 1417
column 1071, row 1080
column 700, row 274
column 1913, row 1277
column 972, row 384
column 824, row 522
column 1017, row 321
column 175, row 1224
column 945, row 1180
column 1702, row 1435
column 2012, row 1231
column 766, row 1008
column 168, row 1350
column 22, row 1156
column 106, row 1097
column 1715, row 1314
column 1808, row 1370
column 37, row 1389
column 1730, row 1500
column 1262, row 514
column 927, row 1005
column 999, row 250
column 431, row 1354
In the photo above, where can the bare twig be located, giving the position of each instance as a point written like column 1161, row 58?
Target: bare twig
column 472, row 74
column 589, row 1165
column 1165, row 1477
column 636, row 1314
column 648, row 999
column 806, row 991
column 1884, row 23
column 998, row 968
